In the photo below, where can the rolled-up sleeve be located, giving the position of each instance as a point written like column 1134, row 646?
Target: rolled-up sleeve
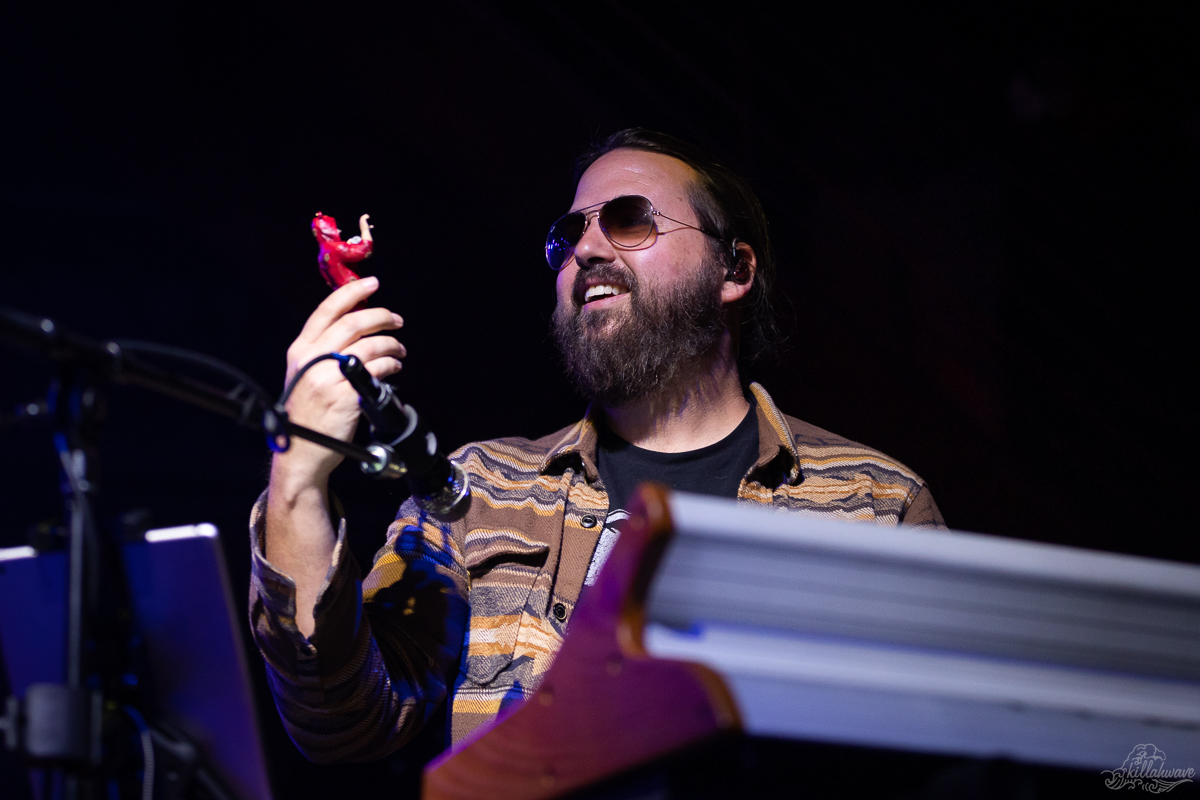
column 922, row 511
column 383, row 649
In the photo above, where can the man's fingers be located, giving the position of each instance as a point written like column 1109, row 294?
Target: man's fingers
column 336, row 305
column 373, row 347
column 382, row 367
column 343, row 334
column 354, row 326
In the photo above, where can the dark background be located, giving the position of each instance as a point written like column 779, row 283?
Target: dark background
column 985, row 220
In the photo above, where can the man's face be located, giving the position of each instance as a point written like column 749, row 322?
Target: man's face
column 660, row 310
column 677, row 252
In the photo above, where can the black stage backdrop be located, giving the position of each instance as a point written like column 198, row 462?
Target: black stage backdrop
column 986, row 225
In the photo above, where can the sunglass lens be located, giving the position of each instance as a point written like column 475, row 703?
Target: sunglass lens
column 627, row 220
column 563, row 237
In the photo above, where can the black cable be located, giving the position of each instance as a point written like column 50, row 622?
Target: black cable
column 147, row 743
column 275, row 417
column 287, row 392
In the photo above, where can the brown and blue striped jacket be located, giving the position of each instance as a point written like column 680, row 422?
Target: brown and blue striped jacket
column 472, row 607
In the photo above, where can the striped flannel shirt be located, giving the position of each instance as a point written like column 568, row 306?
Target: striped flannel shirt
column 472, row 607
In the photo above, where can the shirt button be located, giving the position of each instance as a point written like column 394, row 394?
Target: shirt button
column 560, row 612
column 588, row 521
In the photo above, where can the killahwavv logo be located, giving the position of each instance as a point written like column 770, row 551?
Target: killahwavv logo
column 1145, row 768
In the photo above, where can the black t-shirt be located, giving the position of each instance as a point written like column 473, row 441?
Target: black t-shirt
column 715, row 470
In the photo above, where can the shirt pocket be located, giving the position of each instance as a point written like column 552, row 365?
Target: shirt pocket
column 503, row 566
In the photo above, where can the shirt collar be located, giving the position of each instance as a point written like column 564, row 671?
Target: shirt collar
column 776, row 448
column 578, row 444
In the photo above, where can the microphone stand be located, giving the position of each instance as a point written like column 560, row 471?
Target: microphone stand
column 61, row 725
column 109, row 361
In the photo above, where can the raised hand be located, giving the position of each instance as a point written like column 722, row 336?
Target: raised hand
column 323, row 400
column 299, row 533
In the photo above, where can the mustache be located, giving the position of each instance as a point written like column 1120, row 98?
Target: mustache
column 604, row 273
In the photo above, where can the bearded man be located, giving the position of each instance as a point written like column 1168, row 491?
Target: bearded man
column 663, row 285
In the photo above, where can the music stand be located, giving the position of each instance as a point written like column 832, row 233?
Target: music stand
column 182, row 600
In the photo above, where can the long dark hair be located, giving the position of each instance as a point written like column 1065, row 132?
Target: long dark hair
column 727, row 207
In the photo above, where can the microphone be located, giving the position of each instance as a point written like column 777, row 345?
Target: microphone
column 405, row 447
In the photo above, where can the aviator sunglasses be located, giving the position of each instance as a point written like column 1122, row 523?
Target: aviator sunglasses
column 627, row 221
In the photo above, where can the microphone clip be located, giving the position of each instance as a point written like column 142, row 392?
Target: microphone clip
column 408, row 448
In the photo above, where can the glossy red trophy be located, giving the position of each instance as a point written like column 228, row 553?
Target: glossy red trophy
column 336, row 254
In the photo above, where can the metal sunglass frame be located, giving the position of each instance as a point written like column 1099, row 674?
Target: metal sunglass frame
column 597, row 209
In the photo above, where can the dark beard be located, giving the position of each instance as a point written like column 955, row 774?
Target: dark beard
column 664, row 335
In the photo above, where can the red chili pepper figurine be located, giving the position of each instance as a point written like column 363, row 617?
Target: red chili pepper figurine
column 336, row 254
